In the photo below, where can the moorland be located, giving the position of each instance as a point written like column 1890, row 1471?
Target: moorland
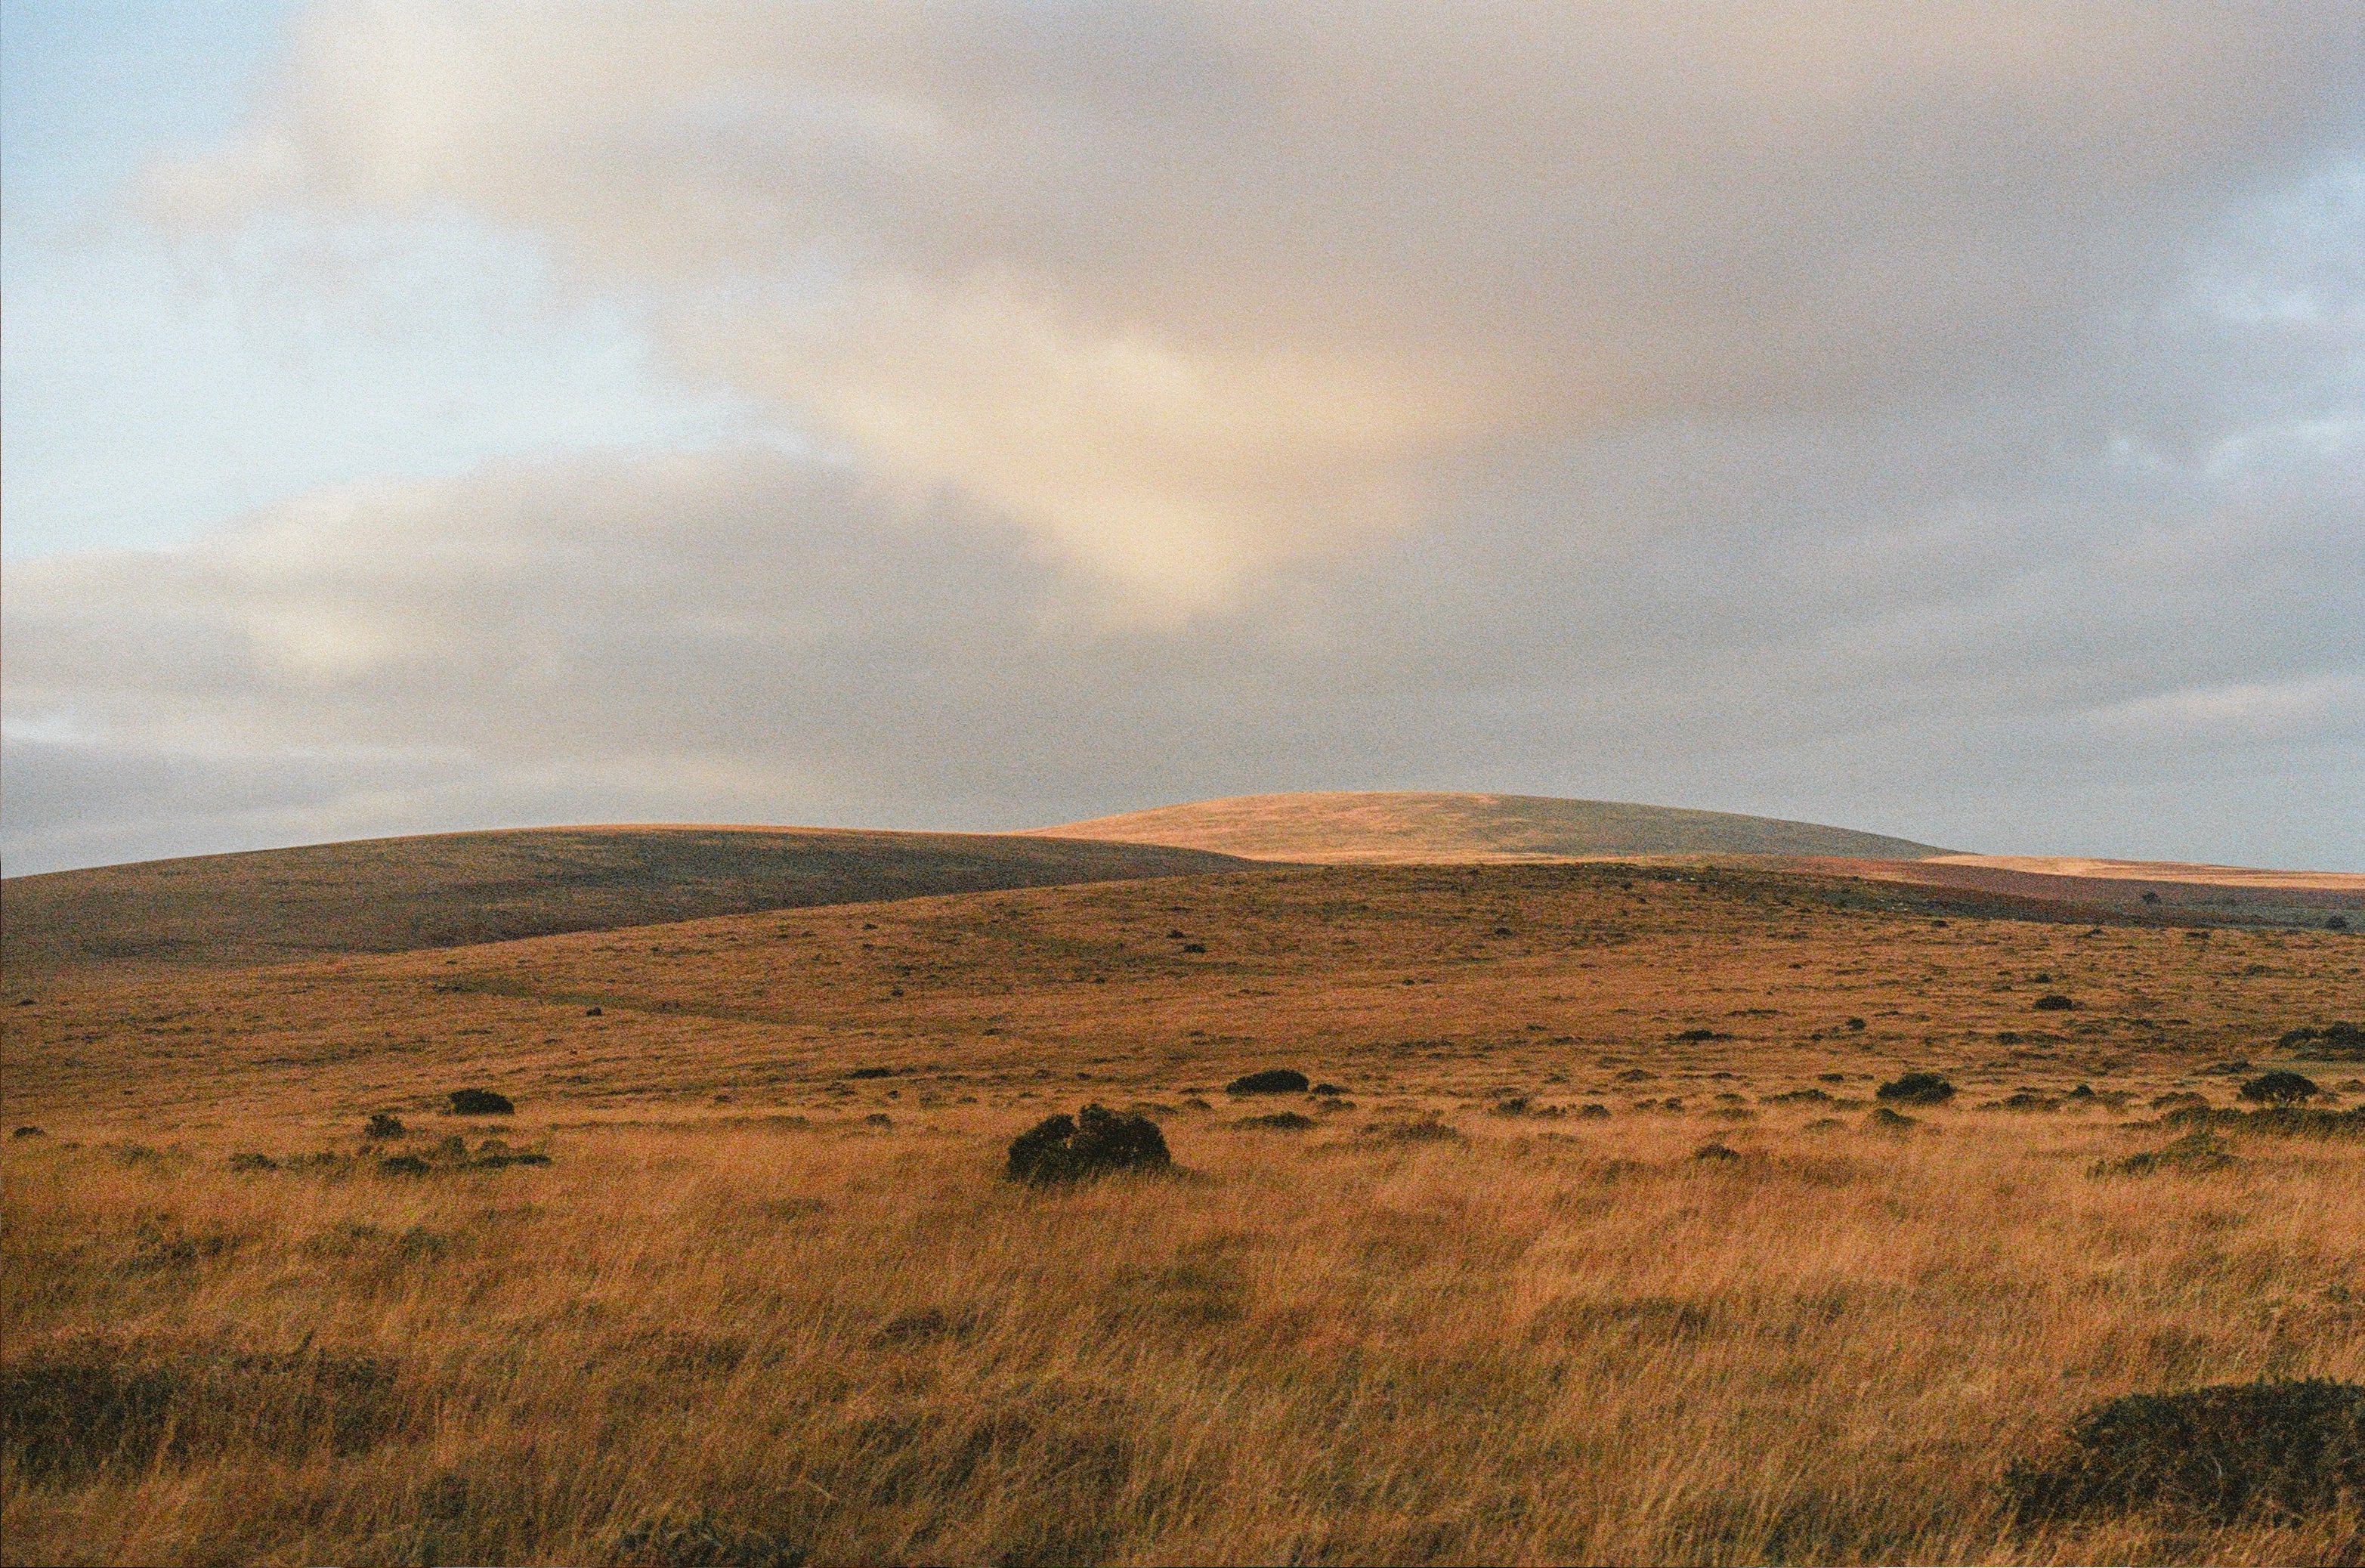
column 1591, row 1237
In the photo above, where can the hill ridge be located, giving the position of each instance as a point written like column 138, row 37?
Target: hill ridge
column 1378, row 826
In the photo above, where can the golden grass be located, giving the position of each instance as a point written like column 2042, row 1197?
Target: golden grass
column 736, row 1320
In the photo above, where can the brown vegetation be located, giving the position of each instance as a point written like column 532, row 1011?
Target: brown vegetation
column 717, row 1299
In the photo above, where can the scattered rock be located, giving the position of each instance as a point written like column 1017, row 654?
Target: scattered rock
column 1096, row 1141
column 2272, row 1452
column 1271, row 1080
column 480, row 1103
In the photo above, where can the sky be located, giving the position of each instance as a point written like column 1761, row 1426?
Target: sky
column 1939, row 420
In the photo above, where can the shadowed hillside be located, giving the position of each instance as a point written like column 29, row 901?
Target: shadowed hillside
column 1417, row 825
column 446, row 890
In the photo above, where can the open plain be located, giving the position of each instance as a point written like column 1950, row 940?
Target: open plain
column 1590, row 1243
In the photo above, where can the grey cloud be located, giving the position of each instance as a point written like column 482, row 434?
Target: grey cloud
column 1946, row 421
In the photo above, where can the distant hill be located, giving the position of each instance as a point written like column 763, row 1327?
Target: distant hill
column 1417, row 825
column 440, row 891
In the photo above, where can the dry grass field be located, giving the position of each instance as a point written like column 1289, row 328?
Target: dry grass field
column 769, row 1302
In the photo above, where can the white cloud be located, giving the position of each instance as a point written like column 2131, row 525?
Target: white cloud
column 1187, row 291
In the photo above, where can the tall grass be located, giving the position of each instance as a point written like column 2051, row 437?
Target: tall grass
column 736, row 1343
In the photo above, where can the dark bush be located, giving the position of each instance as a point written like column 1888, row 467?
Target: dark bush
column 1330, row 1089
column 480, row 1103
column 250, row 1162
column 1195, row 946
column 1693, row 1037
column 1271, row 1080
column 402, row 1165
column 2052, row 1002
column 2336, row 1040
column 1591, row 1110
column 384, row 1125
column 1884, row 1120
column 872, row 1073
column 2279, row 1089
column 2196, row 1153
column 28, row 1132
column 1855, row 1023
column 1799, row 1097
column 1278, row 1121
column 1715, row 1151
column 80, row 1408
column 703, row 1541
column 1096, row 1141
column 2272, row 1451
column 2337, row 923
column 1917, row 1089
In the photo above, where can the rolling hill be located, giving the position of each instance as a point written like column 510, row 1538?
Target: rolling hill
column 450, row 890
column 1421, row 826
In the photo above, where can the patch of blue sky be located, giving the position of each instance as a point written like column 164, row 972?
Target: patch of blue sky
column 154, row 387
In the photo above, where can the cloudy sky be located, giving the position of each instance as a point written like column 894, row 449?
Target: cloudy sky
column 1946, row 420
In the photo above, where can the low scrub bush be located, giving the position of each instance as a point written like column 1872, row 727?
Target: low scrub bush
column 384, row 1125
column 1271, row 1080
column 2279, row 1089
column 2336, row 1041
column 1096, row 1141
column 2196, row 1153
column 1884, row 1120
column 1917, row 1089
column 2276, row 1450
column 2278, row 1121
column 480, row 1103
column 1278, row 1121
column 2052, row 1002
column 84, row 1408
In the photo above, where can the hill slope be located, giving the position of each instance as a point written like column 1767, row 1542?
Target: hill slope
column 446, row 890
column 1417, row 826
